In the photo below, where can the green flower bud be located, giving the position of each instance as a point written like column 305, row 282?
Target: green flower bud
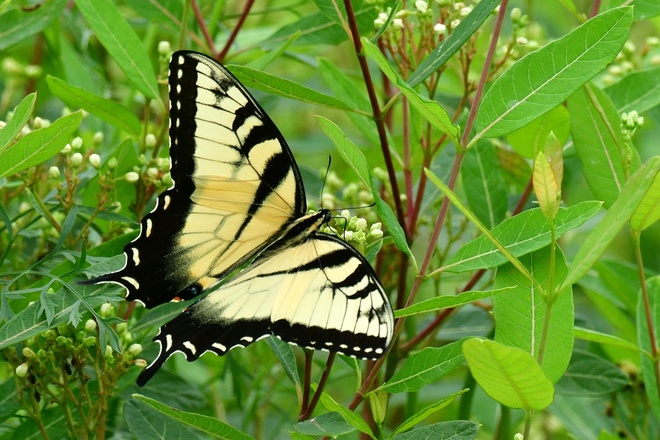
column 150, row 140
column 77, row 143
column 22, row 370
column 54, row 172
column 76, row 159
column 97, row 139
column 90, row 325
column 95, row 160
column 135, row 349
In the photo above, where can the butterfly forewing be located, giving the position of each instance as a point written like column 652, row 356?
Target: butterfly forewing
column 314, row 291
column 236, row 188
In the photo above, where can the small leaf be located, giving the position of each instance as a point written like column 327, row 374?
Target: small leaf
column 453, row 430
column 330, row 424
column 602, row 338
column 509, row 375
column 447, row 301
column 545, row 186
column 106, row 109
column 425, row 412
column 283, row 87
column 530, row 139
column 120, row 40
column 355, row 420
column 146, row 423
column 424, row 367
column 595, row 126
column 39, row 146
column 648, row 211
column 430, row 110
column 209, row 425
column 639, row 91
column 589, row 375
column 521, row 234
column 17, row 25
column 466, row 28
column 617, row 216
column 543, row 79
column 20, row 117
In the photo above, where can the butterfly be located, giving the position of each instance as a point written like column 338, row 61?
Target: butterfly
column 238, row 198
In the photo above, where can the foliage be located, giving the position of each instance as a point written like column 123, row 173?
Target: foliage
column 505, row 153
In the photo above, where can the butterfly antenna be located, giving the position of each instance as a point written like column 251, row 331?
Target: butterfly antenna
column 327, row 170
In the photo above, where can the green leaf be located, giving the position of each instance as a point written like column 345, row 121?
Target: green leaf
column 38, row 146
column 589, row 375
column 18, row 24
column 167, row 12
column 586, row 334
column 595, row 126
column 520, row 314
column 146, row 423
column 284, row 352
column 20, row 117
column 521, row 234
column 618, row 215
column 209, row 425
column 356, row 160
column 643, row 8
column 439, row 56
column 330, row 424
column 546, row 186
column 411, row 421
column 638, row 91
column 353, row 419
column 448, row 301
column 120, row 40
column 8, row 399
column 484, row 185
column 424, row 367
column 430, row 110
column 530, row 139
column 106, row 109
column 283, row 87
column 453, row 430
column 509, row 375
column 649, row 365
column 542, row 80
column 648, row 211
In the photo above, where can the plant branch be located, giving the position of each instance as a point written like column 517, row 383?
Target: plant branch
column 246, row 10
column 378, row 116
column 319, row 390
column 203, row 27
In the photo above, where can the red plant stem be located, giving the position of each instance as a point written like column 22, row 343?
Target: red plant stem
column 319, row 390
column 594, row 9
column 246, row 10
column 307, row 380
column 378, row 116
column 445, row 203
column 202, row 26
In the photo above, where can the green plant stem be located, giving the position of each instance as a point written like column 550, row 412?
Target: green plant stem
column 184, row 23
column 647, row 309
column 378, row 116
column 529, row 414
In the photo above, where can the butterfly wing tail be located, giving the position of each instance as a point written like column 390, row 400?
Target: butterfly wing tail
column 193, row 336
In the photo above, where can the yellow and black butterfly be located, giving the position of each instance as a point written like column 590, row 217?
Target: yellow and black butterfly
column 237, row 198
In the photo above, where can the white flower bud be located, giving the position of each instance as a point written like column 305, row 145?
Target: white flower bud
column 164, row 47
column 131, row 177
column 421, row 6
column 397, row 23
column 54, row 172
column 455, row 23
column 90, row 325
column 66, row 149
column 135, row 349
column 33, row 71
column 361, row 224
column 76, row 159
column 94, row 160
column 515, row 14
column 150, row 140
column 464, row 12
column 440, row 29
column 22, row 370
column 107, row 310
column 76, row 143
column 521, row 41
column 97, row 139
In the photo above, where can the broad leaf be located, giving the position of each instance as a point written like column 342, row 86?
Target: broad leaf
column 543, row 79
column 21, row 115
column 38, row 146
column 106, row 109
column 507, row 374
column 519, row 315
column 530, row 139
column 209, row 425
column 330, row 424
column 591, row 375
column 424, row 367
column 447, row 301
column 120, row 40
column 17, row 24
column 452, row 430
column 638, row 91
column 648, row 211
column 521, row 234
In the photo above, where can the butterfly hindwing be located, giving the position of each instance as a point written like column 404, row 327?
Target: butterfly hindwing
column 236, row 187
column 314, row 291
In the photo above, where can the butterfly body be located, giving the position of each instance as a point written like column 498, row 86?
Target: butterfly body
column 238, row 199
